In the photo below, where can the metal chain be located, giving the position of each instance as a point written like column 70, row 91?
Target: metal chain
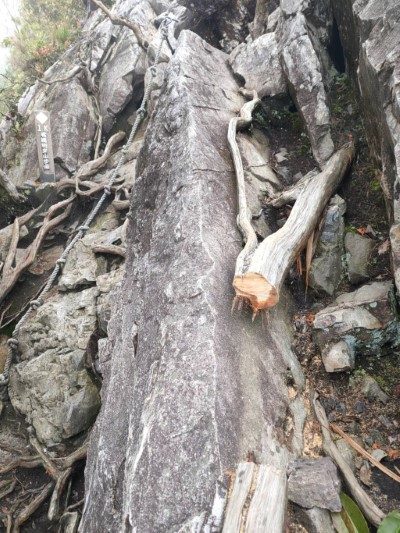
column 34, row 304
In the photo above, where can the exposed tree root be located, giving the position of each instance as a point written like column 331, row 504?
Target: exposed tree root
column 109, row 249
column 122, row 21
column 9, row 187
column 91, row 167
column 11, row 271
column 244, row 214
column 32, row 507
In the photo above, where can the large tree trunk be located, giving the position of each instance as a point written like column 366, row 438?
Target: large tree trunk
column 188, row 389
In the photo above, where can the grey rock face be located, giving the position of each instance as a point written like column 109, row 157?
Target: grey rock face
column 315, row 520
column 196, row 394
column 338, row 357
column 369, row 33
column 314, row 483
column 358, row 250
column 55, row 394
column 63, row 322
column 365, row 319
column 73, row 123
column 326, row 268
column 303, row 74
column 258, row 63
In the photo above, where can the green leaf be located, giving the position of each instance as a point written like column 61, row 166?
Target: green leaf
column 352, row 516
column 391, row 523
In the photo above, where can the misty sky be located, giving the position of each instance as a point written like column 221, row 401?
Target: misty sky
column 7, row 26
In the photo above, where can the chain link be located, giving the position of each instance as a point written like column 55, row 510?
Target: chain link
column 34, row 304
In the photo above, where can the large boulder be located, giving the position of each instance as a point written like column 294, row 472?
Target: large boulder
column 188, row 389
column 369, row 32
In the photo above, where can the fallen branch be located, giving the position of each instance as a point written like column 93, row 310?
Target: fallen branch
column 12, row 273
column 122, row 21
column 109, row 249
column 291, row 194
column 260, row 285
column 364, row 453
column 244, row 215
column 368, row 507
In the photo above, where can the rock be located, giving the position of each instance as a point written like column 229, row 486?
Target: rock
column 369, row 34
column 73, row 124
column 82, row 266
column 365, row 319
column 378, row 454
column 258, row 64
column 63, row 322
column 326, row 267
column 315, row 520
column 55, row 394
column 372, row 391
column 338, row 357
column 314, row 483
column 302, row 70
column 122, row 76
column 193, row 406
column 358, row 250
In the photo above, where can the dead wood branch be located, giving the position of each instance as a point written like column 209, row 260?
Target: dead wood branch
column 364, row 453
column 12, row 273
column 291, row 194
column 90, row 168
column 244, row 214
column 122, row 21
column 109, row 249
column 9, row 187
column 368, row 507
column 260, row 285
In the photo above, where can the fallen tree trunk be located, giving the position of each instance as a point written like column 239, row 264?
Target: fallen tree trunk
column 260, row 285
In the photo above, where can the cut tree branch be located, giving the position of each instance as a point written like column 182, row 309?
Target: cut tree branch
column 260, row 284
column 122, row 21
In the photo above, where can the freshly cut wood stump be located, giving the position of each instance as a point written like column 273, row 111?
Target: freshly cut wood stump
column 260, row 285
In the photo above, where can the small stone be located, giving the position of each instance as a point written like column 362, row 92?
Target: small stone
column 341, row 408
column 378, row 454
column 338, row 357
column 372, row 391
column 384, row 420
column 365, row 474
column 359, row 249
column 359, row 407
column 314, row 483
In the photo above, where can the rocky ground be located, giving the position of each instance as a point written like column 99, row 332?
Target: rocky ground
column 138, row 330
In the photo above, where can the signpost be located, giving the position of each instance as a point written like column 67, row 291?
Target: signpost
column 44, row 146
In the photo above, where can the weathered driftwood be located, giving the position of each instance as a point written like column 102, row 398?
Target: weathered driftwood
column 260, row 285
column 244, row 214
column 367, row 506
column 258, row 500
column 10, row 272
